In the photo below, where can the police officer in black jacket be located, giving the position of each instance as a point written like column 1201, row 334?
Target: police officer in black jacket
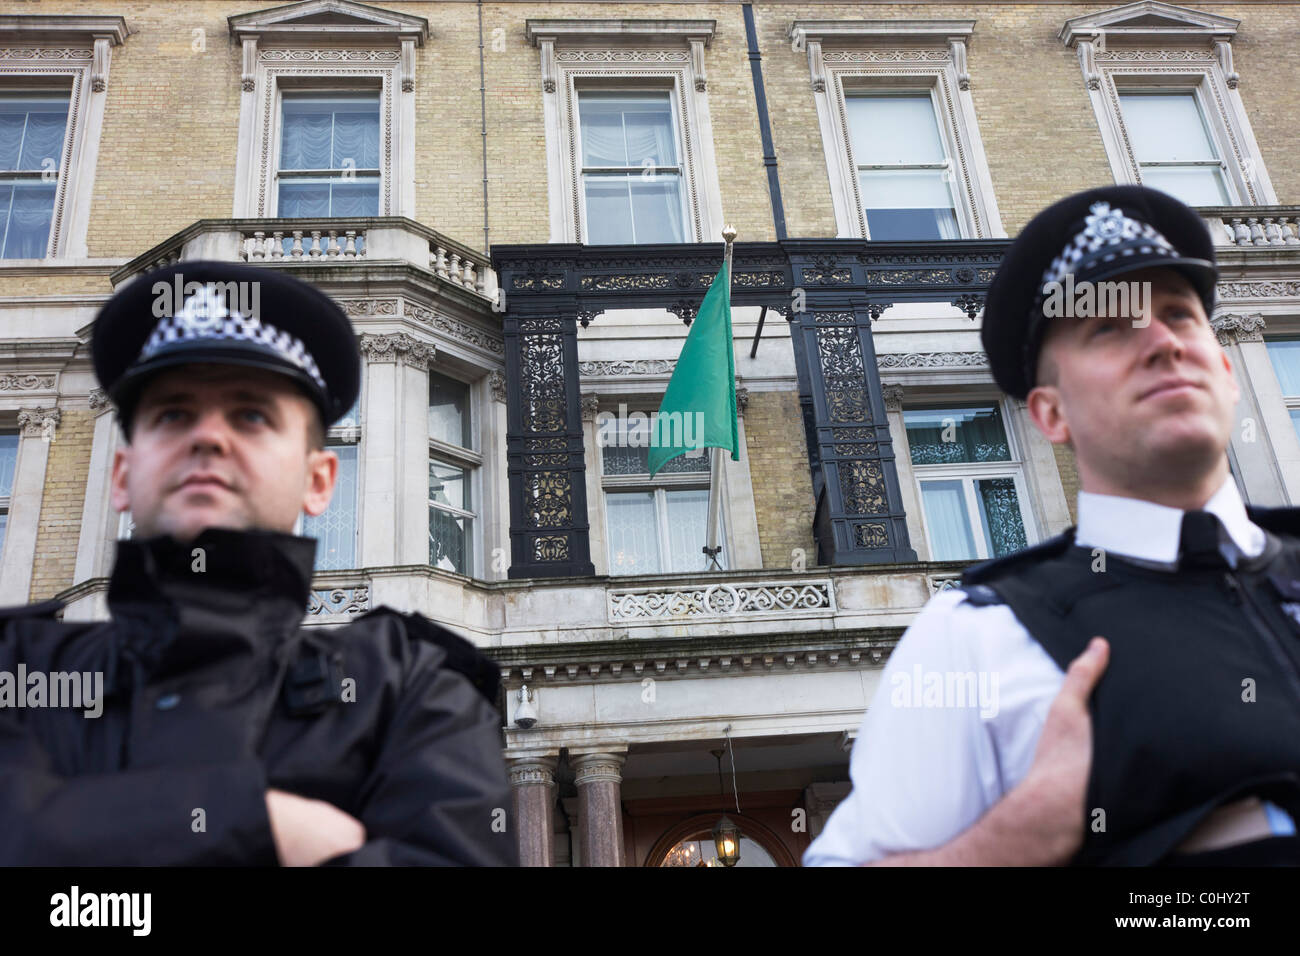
column 227, row 733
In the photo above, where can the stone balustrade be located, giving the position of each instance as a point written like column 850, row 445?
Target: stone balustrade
column 1253, row 225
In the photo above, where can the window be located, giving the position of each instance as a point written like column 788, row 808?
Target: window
column 1174, row 149
column 325, row 82
column 452, row 463
column 903, row 171
column 329, row 155
column 32, row 131
column 629, row 140
column 54, row 79
column 654, row 525
column 335, row 529
column 1285, row 355
column 971, row 485
column 902, row 145
column 1163, row 88
column 8, row 463
column 631, row 170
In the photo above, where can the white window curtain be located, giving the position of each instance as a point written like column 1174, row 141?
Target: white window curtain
column 335, row 529
column 903, row 169
column 633, row 530
column 32, row 130
column 631, row 174
column 948, row 520
column 337, row 136
column 1173, row 146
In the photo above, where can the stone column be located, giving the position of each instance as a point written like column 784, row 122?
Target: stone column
column 36, row 430
column 395, row 469
column 533, row 780
column 1263, row 439
column 598, row 777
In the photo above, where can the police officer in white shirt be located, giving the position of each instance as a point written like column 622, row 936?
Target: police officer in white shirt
column 1174, row 739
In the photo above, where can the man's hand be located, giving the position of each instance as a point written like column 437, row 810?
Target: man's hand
column 1040, row 822
column 308, row 832
column 1057, row 782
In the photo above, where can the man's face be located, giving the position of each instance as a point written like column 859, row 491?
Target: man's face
column 221, row 446
column 1142, row 406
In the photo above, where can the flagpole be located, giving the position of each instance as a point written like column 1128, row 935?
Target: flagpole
column 711, row 546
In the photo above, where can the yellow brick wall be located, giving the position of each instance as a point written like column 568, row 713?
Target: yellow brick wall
column 172, row 112
column 778, row 466
column 61, row 503
column 1069, row 471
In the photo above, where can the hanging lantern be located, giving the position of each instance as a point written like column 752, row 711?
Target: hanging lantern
column 726, row 841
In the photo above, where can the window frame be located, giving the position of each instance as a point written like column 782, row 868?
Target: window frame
column 905, row 56
column 67, row 53
column 658, row 485
column 277, row 173
column 1198, row 98
column 580, row 172
column 339, row 434
column 1191, row 51
column 6, row 500
column 470, row 460
column 288, row 47
column 854, row 91
column 1291, row 403
column 608, row 54
column 1015, row 467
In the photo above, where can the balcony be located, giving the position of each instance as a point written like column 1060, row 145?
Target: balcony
column 324, row 242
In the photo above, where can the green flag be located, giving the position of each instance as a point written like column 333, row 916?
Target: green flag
column 699, row 407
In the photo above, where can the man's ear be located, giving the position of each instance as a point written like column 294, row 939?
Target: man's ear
column 322, row 473
column 121, row 500
column 1047, row 411
column 1236, row 388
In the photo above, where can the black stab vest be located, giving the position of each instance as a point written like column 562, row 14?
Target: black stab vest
column 1175, row 734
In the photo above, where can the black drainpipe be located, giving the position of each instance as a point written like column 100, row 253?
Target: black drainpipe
column 482, row 109
column 769, row 153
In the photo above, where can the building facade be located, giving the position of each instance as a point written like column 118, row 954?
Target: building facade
column 520, row 206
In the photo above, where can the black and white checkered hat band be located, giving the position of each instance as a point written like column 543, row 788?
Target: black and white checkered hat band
column 205, row 318
column 1108, row 235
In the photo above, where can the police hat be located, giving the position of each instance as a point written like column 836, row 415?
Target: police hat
column 1090, row 236
column 228, row 314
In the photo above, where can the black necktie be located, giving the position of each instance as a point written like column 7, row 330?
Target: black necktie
column 1198, row 545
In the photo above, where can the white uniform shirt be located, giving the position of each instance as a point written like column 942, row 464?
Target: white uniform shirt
column 924, row 774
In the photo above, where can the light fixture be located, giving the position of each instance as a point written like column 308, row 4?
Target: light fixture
column 526, row 710
column 726, row 835
column 726, row 841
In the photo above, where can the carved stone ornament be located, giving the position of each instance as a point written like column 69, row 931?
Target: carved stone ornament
column 497, row 384
column 1232, row 327
column 394, row 347
column 37, row 422
column 14, row 382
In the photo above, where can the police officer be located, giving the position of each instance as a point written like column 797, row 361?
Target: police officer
column 229, row 734
column 1139, row 674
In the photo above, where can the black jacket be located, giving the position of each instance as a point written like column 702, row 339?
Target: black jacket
column 213, row 693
